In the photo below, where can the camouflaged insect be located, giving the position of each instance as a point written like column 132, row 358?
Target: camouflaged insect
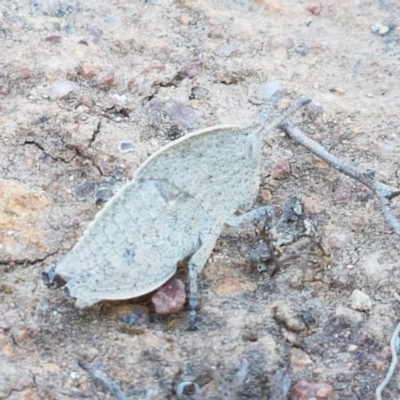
column 174, row 207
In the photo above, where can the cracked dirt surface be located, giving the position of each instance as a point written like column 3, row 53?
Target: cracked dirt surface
column 77, row 78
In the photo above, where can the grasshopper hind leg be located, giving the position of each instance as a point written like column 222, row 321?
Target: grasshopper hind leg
column 195, row 265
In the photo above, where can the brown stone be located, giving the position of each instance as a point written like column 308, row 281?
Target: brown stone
column 284, row 313
column 281, row 169
column 299, row 359
column 86, row 71
column 25, row 73
column 304, row 390
column 265, row 196
column 8, row 350
column 106, row 81
column 312, row 205
column 53, row 39
column 4, row 90
column 314, row 8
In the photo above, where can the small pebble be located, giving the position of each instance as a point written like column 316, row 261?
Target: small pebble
column 379, row 365
column 106, row 81
column 304, row 390
column 62, row 89
column 281, row 170
column 352, row 348
column 301, row 49
column 8, row 351
column 106, row 168
column 90, row 353
column 265, row 196
column 183, row 115
column 380, row 29
column 299, row 359
column 272, row 5
column 198, row 93
column 215, row 33
column 314, row 110
column 360, row 301
column 183, row 19
column 312, row 205
column 74, row 375
column 86, row 71
column 191, row 70
column 132, row 85
column 343, row 196
column 85, row 189
column 337, row 90
column 356, row 224
column 170, row 298
column 287, row 43
column 284, row 313
column 20, row 335
column 314, row 7
column 25, row 73
column 153, row 65
column 4, row 90
column 125, row 146
column 95, row 32
column 86, row 101
column 53, row 39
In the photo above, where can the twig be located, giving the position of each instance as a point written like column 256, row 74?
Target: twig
column 393, row 364
column 98, row 375
column 383, row 192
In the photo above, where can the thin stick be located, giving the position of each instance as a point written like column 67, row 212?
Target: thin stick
column 383, row 192
column 98, row 375
column 393, row 340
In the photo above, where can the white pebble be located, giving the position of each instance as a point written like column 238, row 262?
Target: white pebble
column 268, row 89
column 62, row 89
column 360, row 301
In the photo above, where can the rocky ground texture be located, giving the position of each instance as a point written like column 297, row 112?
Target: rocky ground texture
column 89, row 89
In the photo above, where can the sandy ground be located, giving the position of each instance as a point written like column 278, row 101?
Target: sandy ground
column 78, row 77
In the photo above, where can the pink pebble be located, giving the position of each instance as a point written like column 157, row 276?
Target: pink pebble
column 170, row 298
column 314, row 8
column 281, row 169
column 106, row 81
column 304, row 390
